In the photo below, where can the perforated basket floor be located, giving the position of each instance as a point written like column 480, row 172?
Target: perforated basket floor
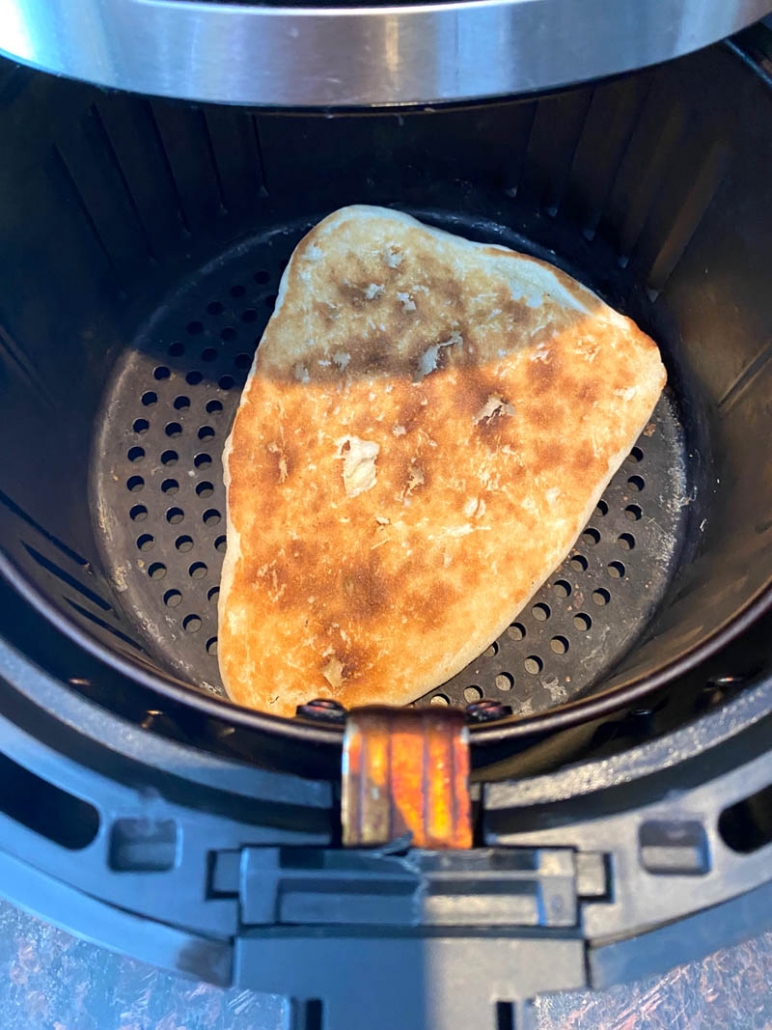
column 160, row 504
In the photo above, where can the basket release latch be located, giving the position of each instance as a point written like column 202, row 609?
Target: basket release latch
column 405, row 778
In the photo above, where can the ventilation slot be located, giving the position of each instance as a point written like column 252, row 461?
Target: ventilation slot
column 505, row 1015
column 677, row 227
column 25, row 369
column 14, row 508
column 77, row 201
column 313, row 1015
column 103, row 625
column 236, row 156
column 188, row 153
column 747, row 825
column 131, row 136
column 556, row 131
column 44, row 808
column 608, row 128
column 65, row 577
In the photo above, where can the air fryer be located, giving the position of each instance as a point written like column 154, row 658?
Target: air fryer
column 143, row 241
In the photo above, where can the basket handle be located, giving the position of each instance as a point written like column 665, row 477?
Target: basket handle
column 405, row 777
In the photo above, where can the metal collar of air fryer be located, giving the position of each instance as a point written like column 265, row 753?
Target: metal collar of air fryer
column 350, row 56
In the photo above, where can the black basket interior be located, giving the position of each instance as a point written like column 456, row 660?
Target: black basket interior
column 143, row 242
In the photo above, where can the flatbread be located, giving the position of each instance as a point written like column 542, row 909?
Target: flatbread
column 426, row 429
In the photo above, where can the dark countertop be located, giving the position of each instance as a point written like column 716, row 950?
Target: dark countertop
column 51, row 981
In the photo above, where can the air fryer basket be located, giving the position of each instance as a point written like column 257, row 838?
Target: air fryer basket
column 143, row 242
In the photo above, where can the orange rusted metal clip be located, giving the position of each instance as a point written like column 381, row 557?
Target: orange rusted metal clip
column 406, row 772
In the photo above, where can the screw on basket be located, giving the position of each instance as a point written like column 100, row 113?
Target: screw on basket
column 719, row 689
column 323, row 708
column 487, row 711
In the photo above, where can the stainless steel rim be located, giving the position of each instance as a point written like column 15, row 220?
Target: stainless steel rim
column 357, row 56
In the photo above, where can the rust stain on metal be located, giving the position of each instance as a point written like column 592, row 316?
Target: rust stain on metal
column 406, row 771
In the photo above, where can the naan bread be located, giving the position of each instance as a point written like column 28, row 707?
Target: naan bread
column 426, row 428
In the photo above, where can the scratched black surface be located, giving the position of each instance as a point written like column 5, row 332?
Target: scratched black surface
column 51, row 981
